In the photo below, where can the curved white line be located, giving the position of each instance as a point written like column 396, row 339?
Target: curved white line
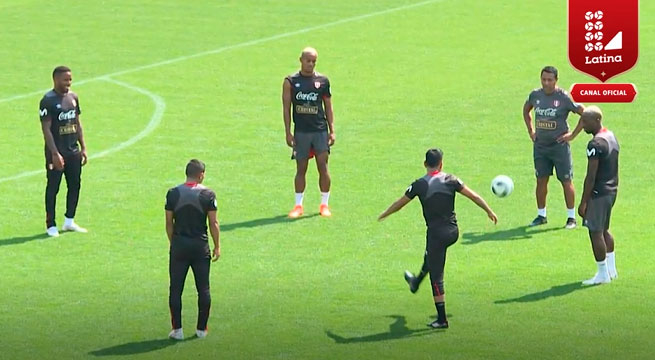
column 235, row 46
column 155, row 120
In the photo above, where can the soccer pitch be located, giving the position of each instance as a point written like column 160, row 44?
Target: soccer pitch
column 161, row 82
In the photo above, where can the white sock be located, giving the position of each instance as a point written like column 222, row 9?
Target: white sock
column 325, row 196
column 611, row 265
column 68, row 221
column 299, row 197
column 571, row 213
column 602, row 267
column 541, row 212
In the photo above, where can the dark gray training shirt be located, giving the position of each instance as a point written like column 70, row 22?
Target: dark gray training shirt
column 190, row 203
column 550, row 114
column 436, row 191
column 63, row 111
column 307, row 94
column 604, row 147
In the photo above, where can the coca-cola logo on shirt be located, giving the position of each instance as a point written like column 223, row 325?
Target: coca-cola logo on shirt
column 68, row 115
column 552, row 112
column 312, row 96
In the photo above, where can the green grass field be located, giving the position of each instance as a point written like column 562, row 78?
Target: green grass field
column 161, row 82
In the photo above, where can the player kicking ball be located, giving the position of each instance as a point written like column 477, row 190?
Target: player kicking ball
column 436, row 191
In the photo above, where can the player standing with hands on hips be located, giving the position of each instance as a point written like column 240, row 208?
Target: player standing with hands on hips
column 551, row 138
column 436, row 191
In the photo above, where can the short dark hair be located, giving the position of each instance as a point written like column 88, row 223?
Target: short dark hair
column 194, row 168
column 433, row 157
column 549, row 69
column 60, row 69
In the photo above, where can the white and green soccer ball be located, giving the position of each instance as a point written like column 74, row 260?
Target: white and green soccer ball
column 502, row 185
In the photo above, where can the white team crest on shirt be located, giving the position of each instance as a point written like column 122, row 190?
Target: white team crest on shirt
column 74, row 103
column 297, row 85
column 58, row 106
column 556, row 103
column 317, row 84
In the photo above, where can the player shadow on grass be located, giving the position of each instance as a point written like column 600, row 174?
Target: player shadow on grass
column 264, row 221
column 22, row 239
column 397, row 330
column 517, row 233
column 137, row 347
column 558, row 290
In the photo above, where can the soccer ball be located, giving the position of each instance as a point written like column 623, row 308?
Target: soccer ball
column 589, row 47
column 589, row 15
column 598, row 46
column 598, row 25
column 589, row 36
column 589, row 26
column 502, row 185
column 598, row 36
column 598, row 14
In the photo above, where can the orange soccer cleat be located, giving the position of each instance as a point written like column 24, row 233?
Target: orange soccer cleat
column 296, row 212
column 325, row 210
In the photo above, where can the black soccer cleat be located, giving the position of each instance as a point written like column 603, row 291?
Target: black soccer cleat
column 437, row 325
column 539, row 220
column 412, row 281
column 571, row 223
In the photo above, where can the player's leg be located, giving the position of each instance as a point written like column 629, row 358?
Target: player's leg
column 609, row 239
column 301, row 150
column 200, row 266
column 439, row 240
column 564, row 169
column 73, row 173
column 51, row 190
column 177, row 270
column 415, row 281
column 595, row 221
column 543, row 167
column 322, row 149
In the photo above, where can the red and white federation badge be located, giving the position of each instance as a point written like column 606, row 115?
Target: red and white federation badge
column 317, row 84
column 556, row 103
column 603, row 40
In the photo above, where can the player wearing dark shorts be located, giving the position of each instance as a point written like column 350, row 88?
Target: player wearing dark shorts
column 551, row 141
column 306, row 95
column 59, row 111
column 599, row 194
column 189, row 207
column 436, row 191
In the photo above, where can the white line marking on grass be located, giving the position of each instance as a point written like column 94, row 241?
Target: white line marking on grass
column 155, row 120
column 235, row 46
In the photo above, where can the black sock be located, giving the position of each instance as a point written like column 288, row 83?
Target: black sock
column 421, row 276
column 441, row 312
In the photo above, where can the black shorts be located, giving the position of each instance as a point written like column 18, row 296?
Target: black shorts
column 599, row 211
column 307, row 143
column 557, row 155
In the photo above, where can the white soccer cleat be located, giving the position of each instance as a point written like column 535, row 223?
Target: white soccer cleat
column 52, row 231
column 599, row 278
column 176, row 334
column 201, row 334
column 74, row 227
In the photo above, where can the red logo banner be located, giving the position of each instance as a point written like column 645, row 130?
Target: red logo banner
column 603, row 36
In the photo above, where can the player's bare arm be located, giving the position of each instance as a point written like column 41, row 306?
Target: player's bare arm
column 286, row 111
column 169, row 225
column 569, row 136
column 80, row 133
column 329, row 114
column 57, row 159
column 397, row 205
column 527, row 117
column 589, row 180
column 479, row 201
column 215, row 233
